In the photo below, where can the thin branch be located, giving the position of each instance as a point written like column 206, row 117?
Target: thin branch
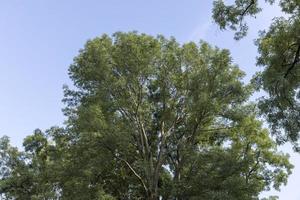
column 216, row 129
column 296, row 60
column 134, row 172
column 247, row 8
column 254, row 168
column 129, row 166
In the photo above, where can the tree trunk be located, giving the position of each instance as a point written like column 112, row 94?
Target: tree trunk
column 177, row 173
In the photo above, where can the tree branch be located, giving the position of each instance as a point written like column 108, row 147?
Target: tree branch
column 254, row 168
column 247, row 8
column 129, row 166
column 135, row 173
column 296, row 60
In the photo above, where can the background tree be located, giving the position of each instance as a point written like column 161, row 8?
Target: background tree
column 279, row 49
column 24, row 175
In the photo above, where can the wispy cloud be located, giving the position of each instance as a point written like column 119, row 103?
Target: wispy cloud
column 201, row 31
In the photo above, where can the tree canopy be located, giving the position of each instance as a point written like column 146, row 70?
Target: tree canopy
column 149, row 118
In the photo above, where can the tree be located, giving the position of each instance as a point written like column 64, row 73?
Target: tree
column 158, row 102
column 45, row 170
column 149, row 118
column 151, row 87
column 23, row 174
column 279, row 50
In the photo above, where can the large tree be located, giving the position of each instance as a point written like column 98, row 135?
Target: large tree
column 149, row 118
column 156, row 95
column 279, row 54
column 157, row 103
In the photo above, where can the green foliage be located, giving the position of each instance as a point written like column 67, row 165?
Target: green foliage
column 24, row 174
column 155, row 94
column 279, row 49
column 149, row 118
column 280, row 53
column 233, row 16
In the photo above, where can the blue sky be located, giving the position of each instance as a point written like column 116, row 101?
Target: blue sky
column 40, row 38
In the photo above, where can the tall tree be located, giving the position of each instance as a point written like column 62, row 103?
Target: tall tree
column 149, row 118
column 160, row 99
